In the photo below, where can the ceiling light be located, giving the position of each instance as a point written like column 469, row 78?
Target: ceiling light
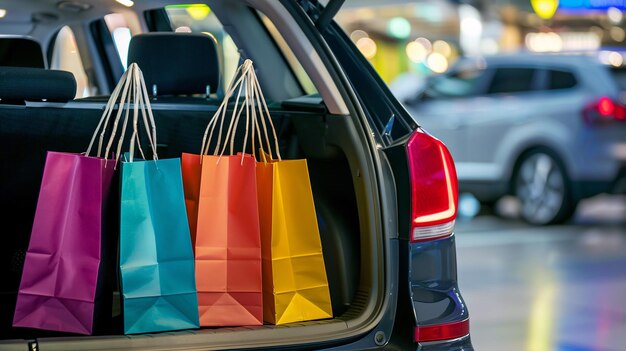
column 127, row 3
column 3, row 13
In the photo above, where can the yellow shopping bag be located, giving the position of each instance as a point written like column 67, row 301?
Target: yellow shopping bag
column 295, row 286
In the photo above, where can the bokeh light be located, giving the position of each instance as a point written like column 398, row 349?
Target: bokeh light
column 198, row 11
column 616, row 59
column 358, row 34
column 617, row 33
column 614, row 14
column 425, row 43
column 367, row 47
column 545, row 8
column 489, row 46
column 399, row 27
column 612, row 58
column 544, row 42
column 442, row 47
column 416, row 51
column 437, row 62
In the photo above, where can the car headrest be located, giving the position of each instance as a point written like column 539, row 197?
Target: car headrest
column 36, row 84
column 177, row 63
column 21, row 52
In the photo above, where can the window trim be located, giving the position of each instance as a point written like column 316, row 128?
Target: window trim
column 548, row 76
column 535, row 82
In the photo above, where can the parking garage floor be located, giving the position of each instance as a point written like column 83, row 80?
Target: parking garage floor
column 559, row 288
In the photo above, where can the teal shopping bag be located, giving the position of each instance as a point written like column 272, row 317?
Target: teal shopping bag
column 158, row 285
column 156, row 259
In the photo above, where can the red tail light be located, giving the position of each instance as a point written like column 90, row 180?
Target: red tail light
column 442, row 331
column 434, row 191
column 604, row 110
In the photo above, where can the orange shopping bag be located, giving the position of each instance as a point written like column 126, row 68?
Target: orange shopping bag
column 221, row 195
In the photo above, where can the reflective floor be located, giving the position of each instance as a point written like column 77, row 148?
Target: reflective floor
column 557, row 288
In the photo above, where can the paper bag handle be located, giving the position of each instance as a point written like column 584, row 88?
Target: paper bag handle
column 133, row 89
column 264, row 112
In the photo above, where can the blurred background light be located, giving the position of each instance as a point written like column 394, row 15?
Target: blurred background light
column 437, row 62
column 3, row 13
column 616, row 59
column 617, row 33
column 442, row 47
column 470, row 29
column 614, row 14
column 469, row 206
column 425, row 43
column 576, row 41
column 555, row 42
column 198, row 11
column 183, row 29
column 367, row 47
column 399, row 27
column 603, row 57
column 127, row 3
column 598, row 31
column 358, row 34
column 544, row 42
column 489, row 46
column 612, row 58
column 545, row 8
column 416, row 51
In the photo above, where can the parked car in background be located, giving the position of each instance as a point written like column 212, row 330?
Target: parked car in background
column 549, row 129
column 385, row 191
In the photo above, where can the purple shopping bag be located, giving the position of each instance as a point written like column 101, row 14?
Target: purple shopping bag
column 64, row 261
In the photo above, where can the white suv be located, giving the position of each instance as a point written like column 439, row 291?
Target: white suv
column 549, row 129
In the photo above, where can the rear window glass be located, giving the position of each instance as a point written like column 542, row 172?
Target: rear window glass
column 620, row 77
column 512, row 80
column 294, row 64
column 561, row 80
column 457, row 84
column 121, row 34
column 67, row 57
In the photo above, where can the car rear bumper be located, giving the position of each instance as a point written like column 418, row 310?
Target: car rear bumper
column 587, row 188
column 461, row 344
column 485, row 191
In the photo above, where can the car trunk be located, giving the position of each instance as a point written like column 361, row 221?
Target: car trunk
column 341, row 178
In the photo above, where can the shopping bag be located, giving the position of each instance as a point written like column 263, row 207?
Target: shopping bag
column 156, row 260
column 66, row 282
column 191, row 170
column 64, row 263
column 226, row 221
column 295, row 285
